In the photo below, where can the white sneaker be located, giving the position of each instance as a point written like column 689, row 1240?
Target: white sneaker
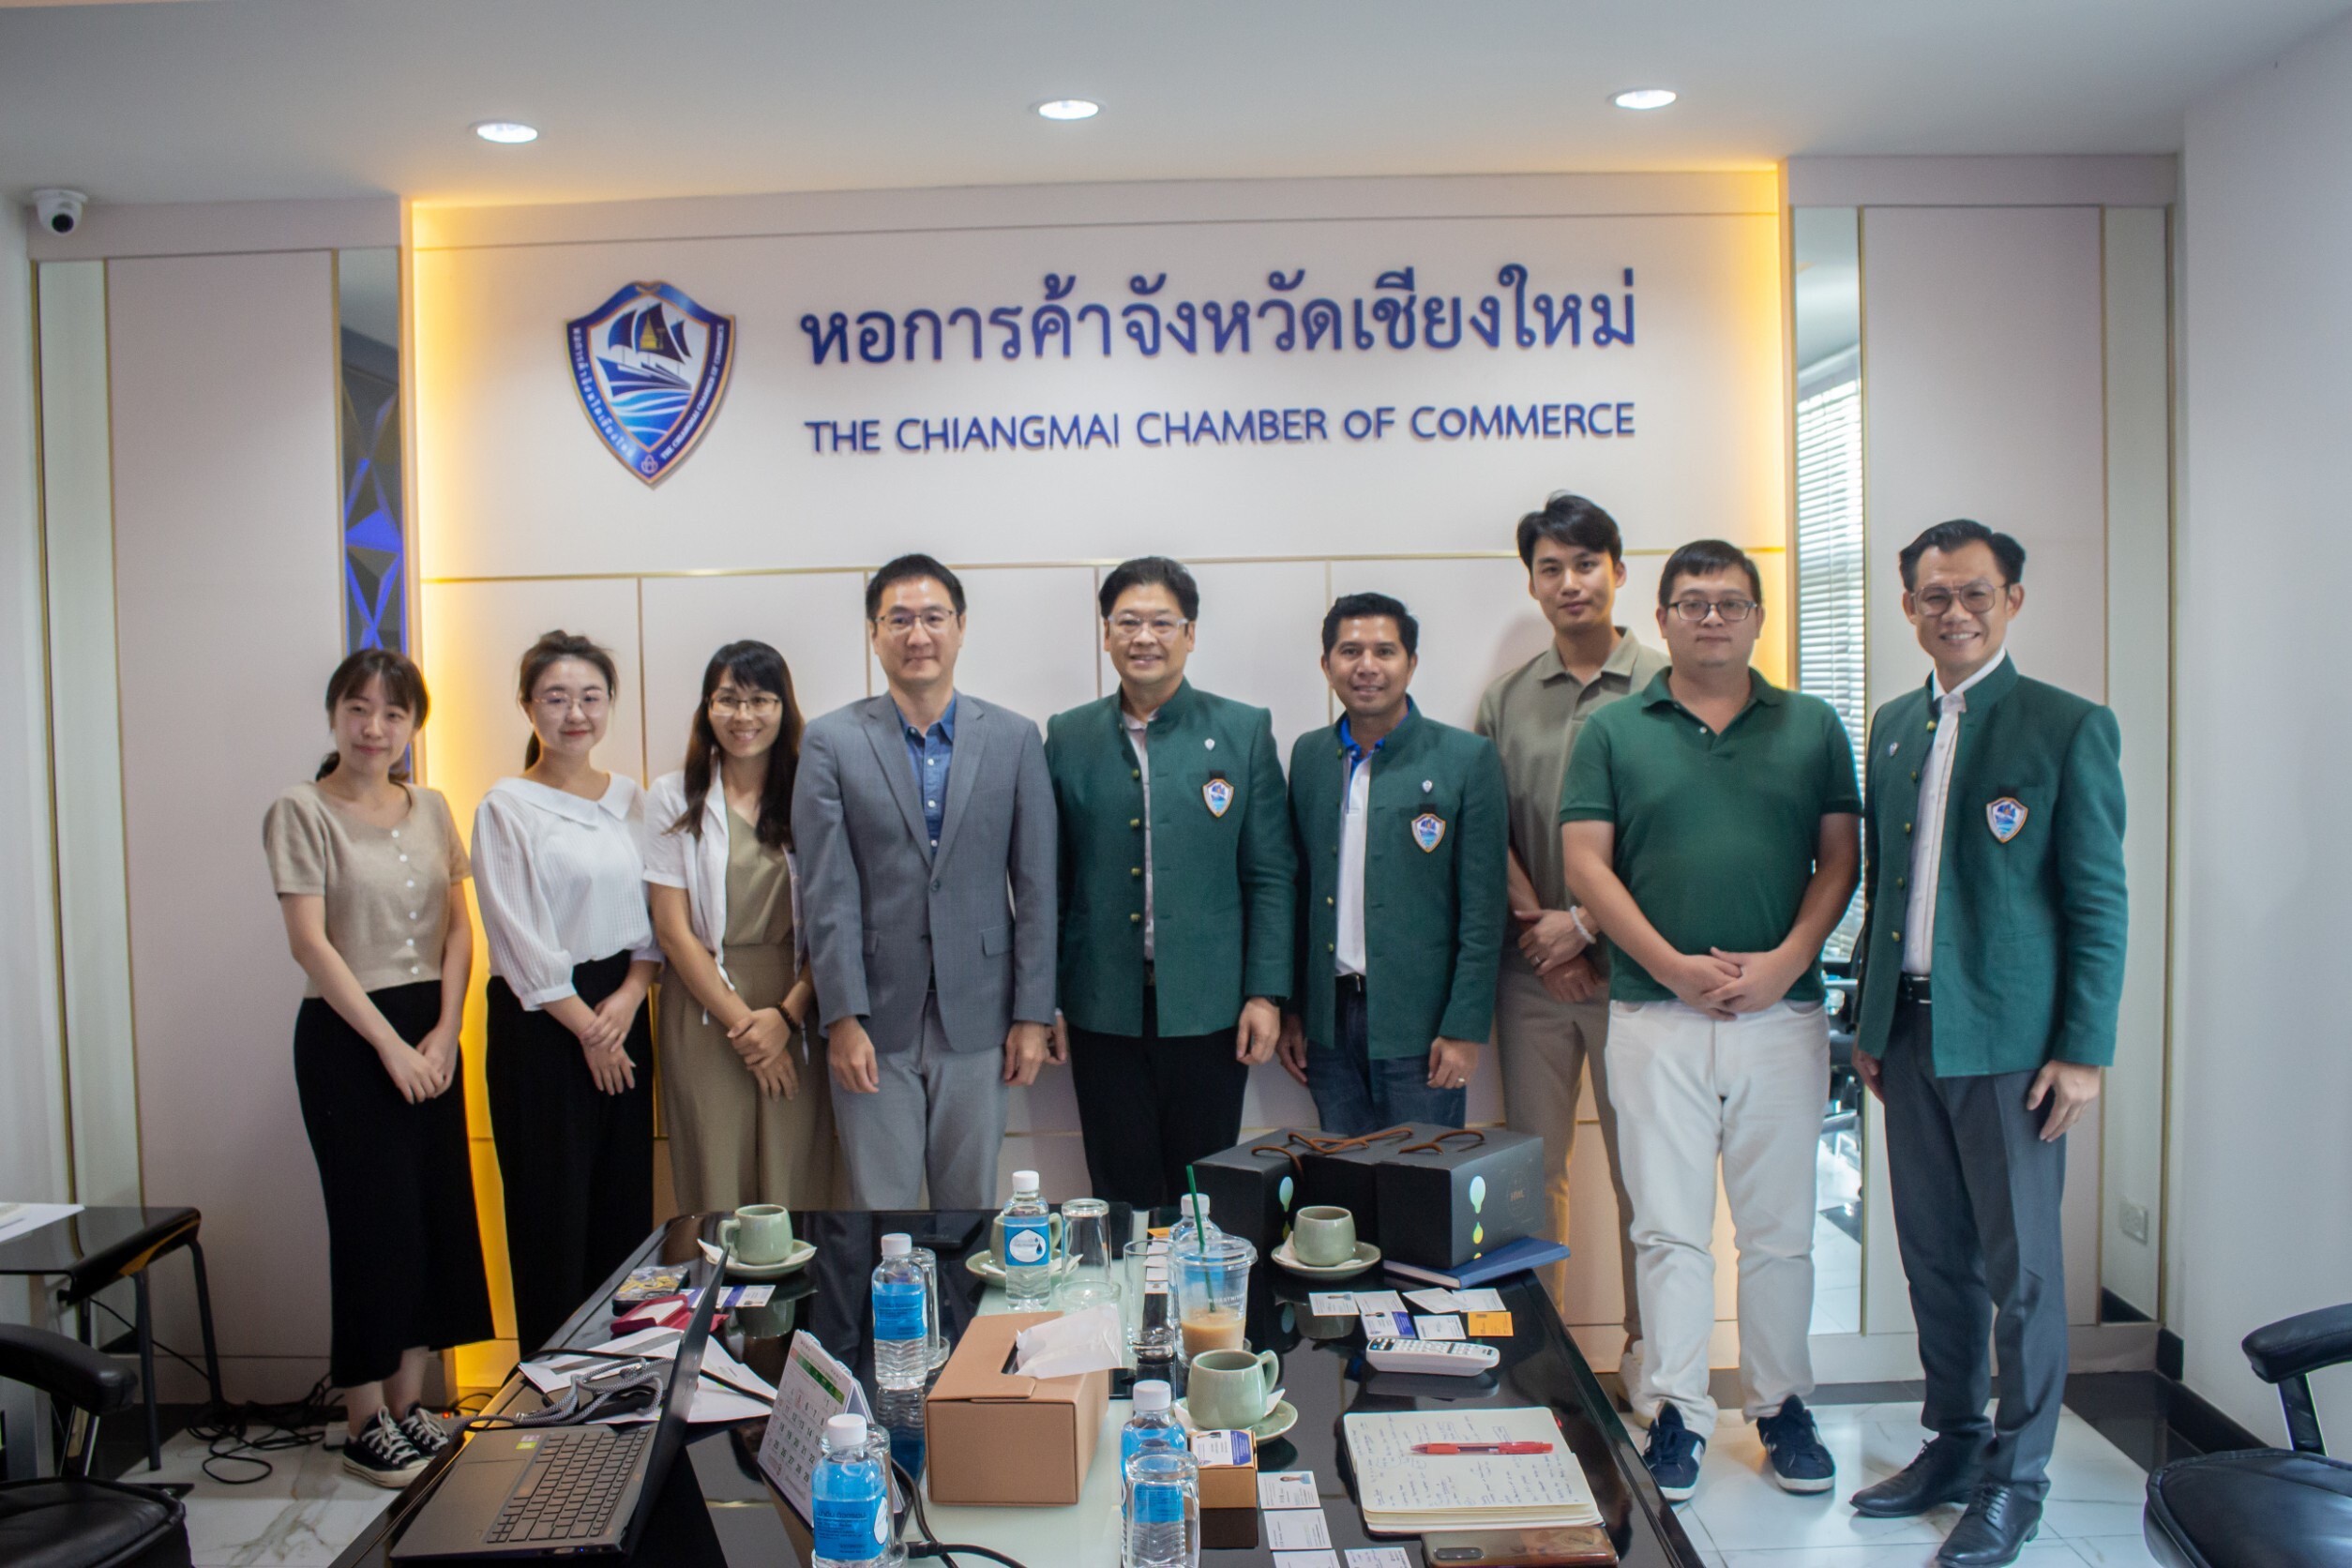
column 381, row 1452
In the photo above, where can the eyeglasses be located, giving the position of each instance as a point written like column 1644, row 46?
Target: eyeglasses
column 1128, row 627
column 899, row 624
column 1732, row 611
column 1976, row 598
column 760, row 704
column 589, row 702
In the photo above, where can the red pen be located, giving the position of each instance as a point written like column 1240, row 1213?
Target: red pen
column 1482, row 1448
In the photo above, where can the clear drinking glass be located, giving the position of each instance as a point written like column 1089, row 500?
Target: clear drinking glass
column 927, row 1260
column 1086, row 1238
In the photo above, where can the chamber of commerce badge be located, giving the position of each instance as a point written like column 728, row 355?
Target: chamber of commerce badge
column 1428, row 830
column 1218, row 794
column 2007, row 817
column 651, row 366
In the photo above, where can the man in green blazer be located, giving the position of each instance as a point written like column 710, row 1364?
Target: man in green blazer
column 1403, row 830
column 1177, row 893
column 1992, row 967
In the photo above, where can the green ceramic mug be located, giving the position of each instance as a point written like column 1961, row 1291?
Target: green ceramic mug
column 1323, row 1236
column 759, row 1234
column 1230, row 1390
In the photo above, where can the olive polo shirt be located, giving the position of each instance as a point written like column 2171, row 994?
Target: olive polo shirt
column 1716, row 832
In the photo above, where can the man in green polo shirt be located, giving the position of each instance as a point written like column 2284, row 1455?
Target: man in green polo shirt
column 1177, row 893
column 1709, row 824
column 1552, row 1003
column 1403, row 851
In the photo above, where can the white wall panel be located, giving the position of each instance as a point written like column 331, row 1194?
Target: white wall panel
column 1030, row 633
column 226, row 571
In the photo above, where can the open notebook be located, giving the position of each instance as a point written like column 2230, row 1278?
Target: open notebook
column 1405, row 1493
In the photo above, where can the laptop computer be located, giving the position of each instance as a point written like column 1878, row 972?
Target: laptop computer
column 561, row 1491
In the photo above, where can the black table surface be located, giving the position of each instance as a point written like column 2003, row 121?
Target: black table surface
column 99, row 1245
column 716, row 1510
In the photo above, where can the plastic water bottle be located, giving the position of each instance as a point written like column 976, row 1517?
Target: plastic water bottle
column 1160, row 1517
column 1153, row 1423
column 902, row 1327
column 1181, row 1235
column 850, row 1496
column 1028, row 1258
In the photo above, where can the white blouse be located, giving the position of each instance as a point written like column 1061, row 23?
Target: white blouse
column 562, row 881
column 677, row 858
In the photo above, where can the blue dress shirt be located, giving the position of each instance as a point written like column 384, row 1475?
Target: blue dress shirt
column 931, row 751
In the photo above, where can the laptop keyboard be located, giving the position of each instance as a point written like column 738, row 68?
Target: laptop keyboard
column 573, row 1488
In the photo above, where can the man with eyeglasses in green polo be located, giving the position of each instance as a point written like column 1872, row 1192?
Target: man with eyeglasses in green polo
column 1177, row 897
column 1710, row 822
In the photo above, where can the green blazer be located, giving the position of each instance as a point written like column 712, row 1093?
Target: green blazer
column 1433, row 915
column 2029, row 956
column 1222, row 873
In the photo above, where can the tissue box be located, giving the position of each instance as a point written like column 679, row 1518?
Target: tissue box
column 1446, row 1206
column 999, row 1437
column 1251, row 1194
column 1228, row 1468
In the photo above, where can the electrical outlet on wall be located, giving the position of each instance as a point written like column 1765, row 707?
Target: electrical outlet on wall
column 2136, row 1221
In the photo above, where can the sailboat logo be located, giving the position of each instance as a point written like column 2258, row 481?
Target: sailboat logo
column 651, row 366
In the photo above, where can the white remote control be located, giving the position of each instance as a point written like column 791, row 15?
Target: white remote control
column 1447, row 1358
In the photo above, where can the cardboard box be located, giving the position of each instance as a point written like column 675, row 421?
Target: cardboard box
column 1228, row 1468
column 995, row 1437
column 1252, row 1189
column 1446, row 1205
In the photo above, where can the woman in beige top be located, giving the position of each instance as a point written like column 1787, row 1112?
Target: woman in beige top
column 370, row 876
column 750, row 1121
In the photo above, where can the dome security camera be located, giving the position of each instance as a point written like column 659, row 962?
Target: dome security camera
column 59, row 210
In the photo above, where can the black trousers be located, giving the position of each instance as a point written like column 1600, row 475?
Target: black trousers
column 1148, row 1107
column 403, row 1250
column 1976, row 1218
column 576, row 1163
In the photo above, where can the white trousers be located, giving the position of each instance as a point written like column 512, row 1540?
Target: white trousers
column 1690, row 1089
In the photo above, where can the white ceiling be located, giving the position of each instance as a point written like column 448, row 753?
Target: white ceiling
column 252, row 99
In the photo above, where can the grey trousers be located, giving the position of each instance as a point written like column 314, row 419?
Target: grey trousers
column 939, row 1113
column 1976, row 1214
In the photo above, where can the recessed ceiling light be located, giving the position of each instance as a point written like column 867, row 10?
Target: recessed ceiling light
column 506, row 133
column 1070, row 109
column 1643, row 97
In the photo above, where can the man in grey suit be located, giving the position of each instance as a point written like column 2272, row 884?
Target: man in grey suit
column 923, row 822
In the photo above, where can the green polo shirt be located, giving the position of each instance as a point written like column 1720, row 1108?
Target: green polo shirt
column 1716, row 832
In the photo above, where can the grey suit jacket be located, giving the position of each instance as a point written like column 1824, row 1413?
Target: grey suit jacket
column 887, row 919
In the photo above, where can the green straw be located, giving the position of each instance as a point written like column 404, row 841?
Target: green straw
column 1200, row 1229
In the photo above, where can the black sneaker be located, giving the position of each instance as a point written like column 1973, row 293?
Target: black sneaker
column 381, row 1452
column 425, row 1430
column 1673, row 1454
column 1800, row 1463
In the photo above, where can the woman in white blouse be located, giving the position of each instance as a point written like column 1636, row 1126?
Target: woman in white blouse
column 749, row 1120
column 559, row 858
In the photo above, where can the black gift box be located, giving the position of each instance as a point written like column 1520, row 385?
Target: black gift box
column 1447, row 1198
column 1344, row 1172
column 1253, row 1189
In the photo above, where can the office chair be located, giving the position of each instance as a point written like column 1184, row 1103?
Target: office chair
column 2270, row 1507
column 69, row 1520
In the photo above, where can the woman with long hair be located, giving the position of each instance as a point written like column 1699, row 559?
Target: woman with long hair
column 559, row 857
column 749, row 1119
column 370, row 876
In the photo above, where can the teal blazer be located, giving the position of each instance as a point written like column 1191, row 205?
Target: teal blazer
column 2029, row 952
column 1433, row 917
column 1223, row 877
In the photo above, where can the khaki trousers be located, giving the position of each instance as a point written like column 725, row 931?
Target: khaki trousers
column 1546, row 1045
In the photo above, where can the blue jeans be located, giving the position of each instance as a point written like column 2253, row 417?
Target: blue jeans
column 1355, row 1094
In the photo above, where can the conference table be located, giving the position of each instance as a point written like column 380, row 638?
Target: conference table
column 716, row 1510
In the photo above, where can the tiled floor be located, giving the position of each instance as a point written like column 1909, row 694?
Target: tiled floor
column 1740, row 1519
column 304, row 1513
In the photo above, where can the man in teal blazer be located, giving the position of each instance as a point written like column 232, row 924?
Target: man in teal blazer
column 1404, row 847
column 1177, row 893
column 1992, row 965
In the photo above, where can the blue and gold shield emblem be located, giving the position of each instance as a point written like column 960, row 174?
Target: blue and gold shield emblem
column 1428, row 831
column 2007, row 818
column 1217, row 794
column 650, row 366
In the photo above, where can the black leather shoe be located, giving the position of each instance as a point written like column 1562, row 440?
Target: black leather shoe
column 2000, row 1521
column 1945, row 1470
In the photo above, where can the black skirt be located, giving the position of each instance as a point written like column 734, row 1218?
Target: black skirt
column 405, row 1254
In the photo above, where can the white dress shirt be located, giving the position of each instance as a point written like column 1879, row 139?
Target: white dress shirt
column 1139, row 741
column 1354, row 815
column 1927, row 840
column 562, row 881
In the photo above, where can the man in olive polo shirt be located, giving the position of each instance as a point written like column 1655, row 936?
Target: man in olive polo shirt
column 1551, row 1005
column 1711, row 824
column 1177, row 893
column 1994, row 838
column 1403, row 851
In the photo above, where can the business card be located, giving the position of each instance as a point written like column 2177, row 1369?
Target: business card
column 1379, row 1557
column 1379, row 1301
column 1297, row 1529
column 1287, row 1489
column 1330, row 1304
column 1388, row 1325
column 1433, row 1301
column 1479, row 1301
column 1443, row 1326
column 1490, row 1325
column 1307, row 1560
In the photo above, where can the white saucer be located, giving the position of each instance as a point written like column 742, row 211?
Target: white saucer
column 984, row 1263
column 1280, row 1419
column 1367, row 1255
column 791, row 1262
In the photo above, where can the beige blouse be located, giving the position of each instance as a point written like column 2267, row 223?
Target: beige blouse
column 386, row 889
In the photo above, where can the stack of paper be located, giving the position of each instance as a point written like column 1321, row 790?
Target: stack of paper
column 1405, row 1492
